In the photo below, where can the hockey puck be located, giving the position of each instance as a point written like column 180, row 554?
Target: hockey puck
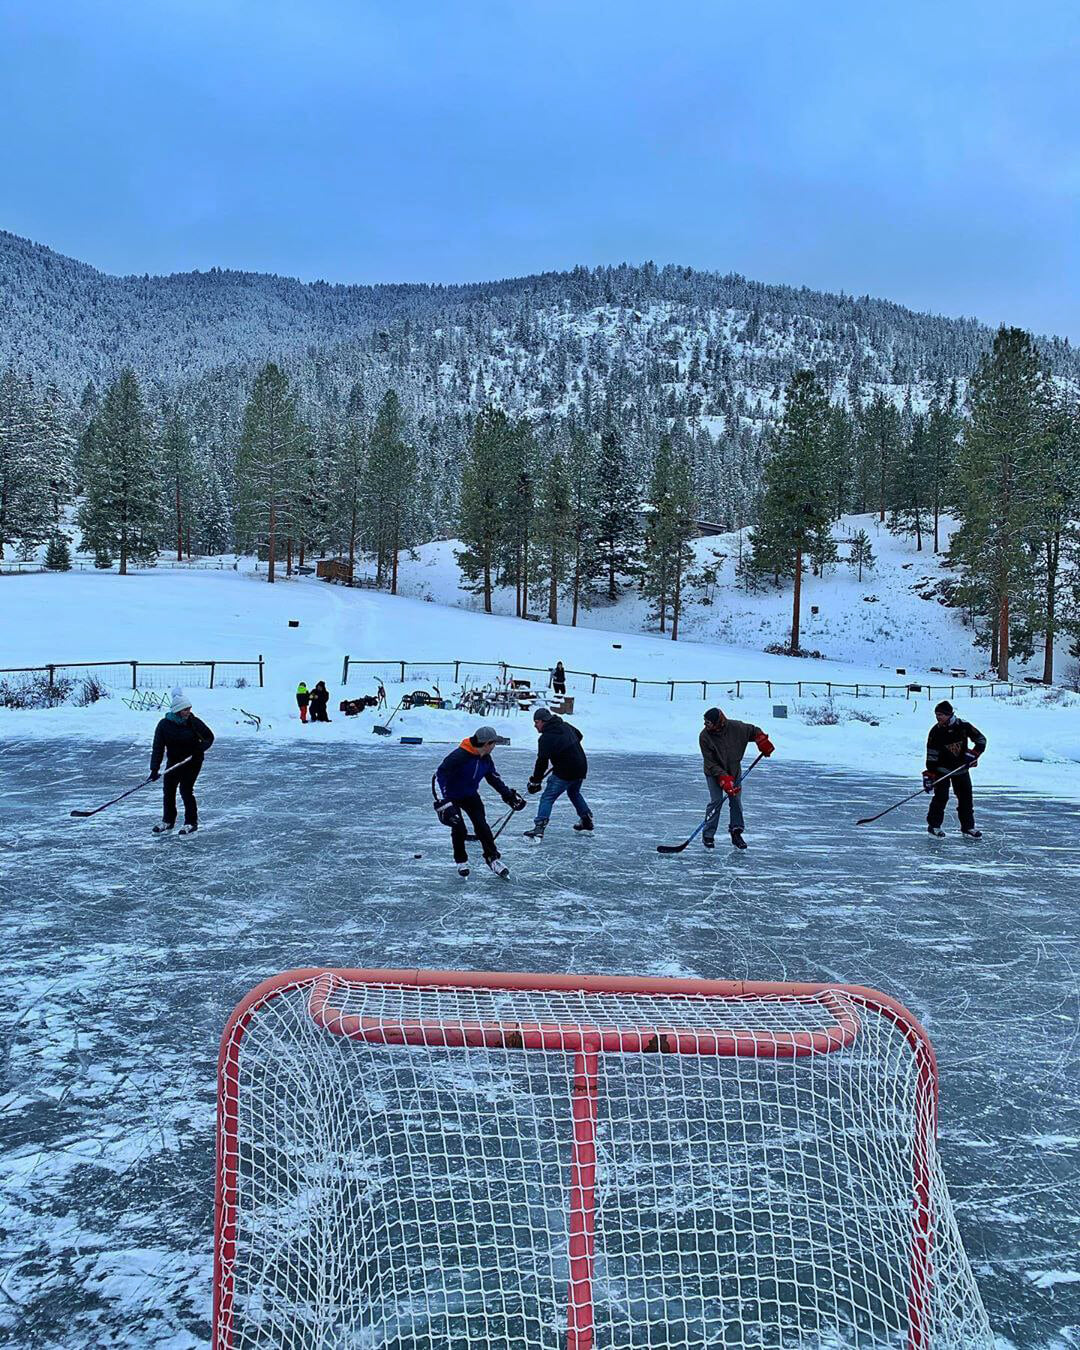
column 418, row 855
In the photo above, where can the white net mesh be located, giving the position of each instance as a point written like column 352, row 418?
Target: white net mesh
column 383, row 1183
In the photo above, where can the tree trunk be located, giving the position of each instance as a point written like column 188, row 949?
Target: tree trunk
column 1003, row 638
column 487, row 584
column 553, row 590
column 394, row 550
column 179, row 526
column 271, row 542
column 577, row 583
column 352, row 540
column 1052, row 549
column 611, row 576
column 675, row 605
column 937, row 512
column 796, row 602
column 300, row 557
column 288, row 556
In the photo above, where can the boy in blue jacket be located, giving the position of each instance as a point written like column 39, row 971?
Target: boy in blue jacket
column 458, row 779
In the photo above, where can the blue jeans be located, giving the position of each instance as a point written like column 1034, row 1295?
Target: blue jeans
column 716, row 797
column 554, row 789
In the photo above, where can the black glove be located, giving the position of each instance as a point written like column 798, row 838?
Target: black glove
column 155, row 774
column 534, row 785
column 516, row 800
column 449, row 813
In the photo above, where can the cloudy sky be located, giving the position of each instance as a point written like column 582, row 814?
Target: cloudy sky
column 928, row 153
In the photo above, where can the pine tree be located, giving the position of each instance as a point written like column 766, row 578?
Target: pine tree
column 555, row 529
column 796, row 514
column 271, row 445
column 120, row 515
column 179, row 471
column 911, row 483
column 480, row 529
column 1056, row 489
column 881, row 436
column 390, row 474
column 16, row 458
column 58, row 555
column 862, row 554
column 668, row 530
column 998, row 481
column 942, row 430
column 840, row 458
column 619, row 504
column 581, row 471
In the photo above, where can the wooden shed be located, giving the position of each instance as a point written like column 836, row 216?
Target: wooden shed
column 334, row 569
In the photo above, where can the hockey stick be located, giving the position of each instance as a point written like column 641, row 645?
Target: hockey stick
column 713, row 814
column 867, row 820
column 82, row 815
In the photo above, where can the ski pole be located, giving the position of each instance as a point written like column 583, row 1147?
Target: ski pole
column 713, row 813
column 82, row 815
column 867, row 820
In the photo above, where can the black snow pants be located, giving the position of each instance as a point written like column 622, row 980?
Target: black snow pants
column 184, row 779
column 961, row 786
column 473, row 808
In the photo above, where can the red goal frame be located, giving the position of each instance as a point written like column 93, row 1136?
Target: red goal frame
column 839, row 1029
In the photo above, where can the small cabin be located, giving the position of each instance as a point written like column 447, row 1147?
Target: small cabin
column 334, row 569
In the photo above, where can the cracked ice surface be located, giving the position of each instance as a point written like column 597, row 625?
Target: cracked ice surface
column 123, row 955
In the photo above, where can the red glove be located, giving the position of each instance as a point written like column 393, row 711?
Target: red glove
column 929, row 778
column 728, row 784
column 764, row 745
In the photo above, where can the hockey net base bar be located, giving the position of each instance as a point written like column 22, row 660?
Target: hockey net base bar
column 438, row 1159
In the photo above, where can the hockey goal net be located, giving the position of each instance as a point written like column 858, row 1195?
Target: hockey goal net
column 437, row 1159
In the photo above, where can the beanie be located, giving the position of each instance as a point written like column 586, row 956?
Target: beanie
column 485, row 736
column 180, row 700
column 713, row 714
column 944, row 707
column 542, row 714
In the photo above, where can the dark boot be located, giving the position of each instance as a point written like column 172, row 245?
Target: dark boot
column 737, row 839
column 585, row 823
column 537, row 831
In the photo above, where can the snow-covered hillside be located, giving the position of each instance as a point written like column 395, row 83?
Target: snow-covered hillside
column 170, row 615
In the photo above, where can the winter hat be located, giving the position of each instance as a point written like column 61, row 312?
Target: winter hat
column 542, row 714
column 485, row 736
column 713, row 714
column 944, row 707
column 180, row 700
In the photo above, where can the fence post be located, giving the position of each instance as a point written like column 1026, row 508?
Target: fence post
column 457, row 665
column 800, row 688
column 260, row 670
column 671, row 697
column 704, row 691
column 212, row 665
column 594, row 684
column 134, row 668
column 738, row 688
column 345, row 670
column 52, row 677
column 828, row 686
column 402, row 664
column 856, row 691
column 768, row 686
column 633, row 692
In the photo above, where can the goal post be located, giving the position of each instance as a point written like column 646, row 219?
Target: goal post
column 438, row 1159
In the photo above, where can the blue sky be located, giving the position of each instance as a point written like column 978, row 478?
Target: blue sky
column 928, row 153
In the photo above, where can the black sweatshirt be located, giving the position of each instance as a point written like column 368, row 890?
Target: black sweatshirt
column 177, row 740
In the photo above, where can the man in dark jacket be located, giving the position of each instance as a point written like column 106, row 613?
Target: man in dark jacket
column 458, row 780
column 179, row 736
column 559, row 745
column 947, row 749
column 320, row 697
column 723, row 743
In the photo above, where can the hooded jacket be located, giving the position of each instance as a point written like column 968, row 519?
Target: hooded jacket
column 176, row 738
column 560, row 743
column 463, row 770
column 723, row 749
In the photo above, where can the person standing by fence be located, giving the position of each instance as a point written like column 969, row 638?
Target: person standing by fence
column 320, row 697
column 558, row 679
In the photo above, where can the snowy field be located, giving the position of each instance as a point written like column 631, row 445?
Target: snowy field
column 123, row 955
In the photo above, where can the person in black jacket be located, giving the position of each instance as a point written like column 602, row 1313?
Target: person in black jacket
column 947, row 749
column 559, row 745
column 179, row 736
column 558, row 679
column 458, row 779
column 319, row 698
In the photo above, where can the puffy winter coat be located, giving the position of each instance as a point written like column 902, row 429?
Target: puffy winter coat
column 947, row 745
column 723, row 749
column 176, row 738
column 560, row 743
column 463, row 770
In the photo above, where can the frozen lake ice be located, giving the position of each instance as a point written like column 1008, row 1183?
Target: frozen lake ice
column 123, row 955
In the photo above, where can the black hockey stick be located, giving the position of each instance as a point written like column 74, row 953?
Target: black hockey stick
column 867, row 820
column 82, row 815
column 712, row 814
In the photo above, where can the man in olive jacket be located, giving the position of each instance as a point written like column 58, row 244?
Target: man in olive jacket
column 723, row 743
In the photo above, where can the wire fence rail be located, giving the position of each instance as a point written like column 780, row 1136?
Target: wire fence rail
column 508, row 669
column 145, row 674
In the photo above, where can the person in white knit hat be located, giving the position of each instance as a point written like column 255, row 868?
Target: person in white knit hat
column 179, row 736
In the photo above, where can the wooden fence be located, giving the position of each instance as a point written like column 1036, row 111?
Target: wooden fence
column 130, row 674
column 506, row 670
